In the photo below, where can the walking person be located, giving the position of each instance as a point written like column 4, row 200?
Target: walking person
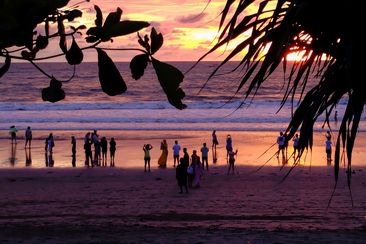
column 232, row 160
column 204, row 151
column 176, row 150
column 147, row 158
column 28, row 137
column 181, row 176
column 13, row 133
column 112, row 150
column 51, row 144
column 104, row 146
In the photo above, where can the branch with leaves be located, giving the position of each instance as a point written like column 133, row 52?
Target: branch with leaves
column 22, row 35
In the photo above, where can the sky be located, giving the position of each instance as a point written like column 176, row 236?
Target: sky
column 189, row 27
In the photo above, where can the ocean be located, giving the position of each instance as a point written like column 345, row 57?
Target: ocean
column 144, row 106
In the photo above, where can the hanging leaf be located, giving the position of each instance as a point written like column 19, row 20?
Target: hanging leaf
column 170, row 78
column 113, row 18
column 110, row 79
column 124, row 28
column 156, row 40
column 54, row 92
column 73, row 14
column 99, row 18
column 41, row 42
column 61, row 32
column 138, row 65
column 6, row 65
column 74, row 55
column 91, row 39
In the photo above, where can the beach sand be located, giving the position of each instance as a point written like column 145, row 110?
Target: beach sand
column 65, row 205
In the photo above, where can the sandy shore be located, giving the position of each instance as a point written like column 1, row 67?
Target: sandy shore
column 127, row 205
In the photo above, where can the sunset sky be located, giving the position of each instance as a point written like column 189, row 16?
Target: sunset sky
column 188, row 28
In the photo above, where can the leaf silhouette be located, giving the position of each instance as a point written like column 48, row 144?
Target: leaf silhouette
column 113, row 18
column 61, row 32
column 110, row 79
column 123, row 28
column 170, row 78
column 74, row 55
column 41, row 42
column 156, row 40
column 6, row 65
column 138, row 65
column 99, row 18
column 54, row 92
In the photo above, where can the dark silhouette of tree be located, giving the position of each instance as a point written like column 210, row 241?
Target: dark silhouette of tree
column 20, row 40
column 317, row 28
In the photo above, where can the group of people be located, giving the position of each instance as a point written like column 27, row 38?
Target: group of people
column 100, row 149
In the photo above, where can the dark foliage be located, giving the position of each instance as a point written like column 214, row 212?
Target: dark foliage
column 18, row 20
column 316, row 27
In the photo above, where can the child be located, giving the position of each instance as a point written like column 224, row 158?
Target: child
column 147, row 157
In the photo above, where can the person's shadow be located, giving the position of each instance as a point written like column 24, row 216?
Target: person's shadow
column 12, row 158
column 28, row 157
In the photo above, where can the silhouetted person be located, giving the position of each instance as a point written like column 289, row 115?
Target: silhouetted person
column 296, row 145
column 96, row 152
column 181, row 176
column 13, row 134
column 286, row 148
column 229, row 146
column 185, row 157
column 281, row 146
column 176, row 150
column 232, row 160
column 73, row 150
column 88, row 151
column 147, row 158
column 51, row 144
column 28, row 137
column 112, row 149
column 28, row 157
column 204, row 151
column 336, row 116
column 104, row 146
column 215, row 142
column 328, row 135
column 328, row 150
column 73, row 160
column 46, row 145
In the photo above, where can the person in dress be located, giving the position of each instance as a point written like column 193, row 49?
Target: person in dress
column 147, row 158
column 164, row 154
column 112, row 150
column 176, row 150
column 232, row 160
column 197, row 170
column 28, row 137
column 204, row 152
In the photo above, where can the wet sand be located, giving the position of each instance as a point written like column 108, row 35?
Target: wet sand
column 128, row 205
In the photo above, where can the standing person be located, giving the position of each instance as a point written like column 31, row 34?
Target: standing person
column 104, row 146
column 204, row 151
column 229, row 146
column 176, row 150
column 96, row 152
column 296, row 145
column 112, row 149
column 328, row 150
column 281, row 145
column 181, row 176
column 28, row 137
column 215, row 142
column 73, row 147
column 185, row 157
column 197, row 173
column 232, row 160
column 51, row 144
column 328, row 135
column 164, row 154
column 46, row 145
column 285, row 147
column 147, row 158
column 73, row 150
column 336, row 116
column 88, row 151
column 13, row 133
